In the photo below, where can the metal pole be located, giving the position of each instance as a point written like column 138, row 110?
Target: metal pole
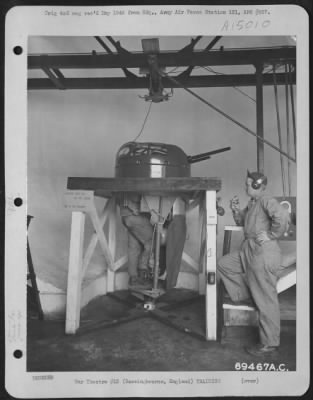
column 259, row 118
column 279, row 130
column 293, row 110
column 157, row 247
column 287, row 130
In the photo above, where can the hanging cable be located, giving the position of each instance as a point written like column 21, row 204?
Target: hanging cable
column 234, row 87
column 292, row 110
column 144, row 123
column 287, row 127
column 163, row 74
column 279, row 130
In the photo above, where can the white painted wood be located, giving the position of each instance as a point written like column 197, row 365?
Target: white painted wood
column 94, row 238
column 74, row 280
column 287, row 281
column 101, row 237
column 120, row 263
column 238, row 307
column 211, row 295
column 202, row 249
column 112, row 246
column 233, row 228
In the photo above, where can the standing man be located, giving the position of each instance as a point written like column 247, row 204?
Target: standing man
column 252, row 271
column 140, row 234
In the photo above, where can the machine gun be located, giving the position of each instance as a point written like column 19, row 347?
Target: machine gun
column 205, row 156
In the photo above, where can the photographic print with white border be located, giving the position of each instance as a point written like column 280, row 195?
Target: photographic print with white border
column 128, row 132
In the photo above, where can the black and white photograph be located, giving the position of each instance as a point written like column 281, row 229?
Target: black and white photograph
column 157, row 210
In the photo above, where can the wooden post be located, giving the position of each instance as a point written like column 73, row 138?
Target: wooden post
column 202, row 250
column 211, row 293
column 75, row 272
column 112, row 244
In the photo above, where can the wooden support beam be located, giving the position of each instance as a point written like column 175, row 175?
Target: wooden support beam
column 94, row 238
column 211, row 294
column 120, row 263
column 102, row 239
column 74, row 281
column 156, row 186
column 202, row 249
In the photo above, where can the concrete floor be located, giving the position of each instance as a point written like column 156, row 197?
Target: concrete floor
column 147, row 344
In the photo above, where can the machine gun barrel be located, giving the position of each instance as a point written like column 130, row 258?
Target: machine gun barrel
column 205, row 156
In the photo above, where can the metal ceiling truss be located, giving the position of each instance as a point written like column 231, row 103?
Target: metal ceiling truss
column 187, row 57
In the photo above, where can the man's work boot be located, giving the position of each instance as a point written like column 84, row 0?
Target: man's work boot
column 262, row 350
column 143, row 274
column 137, row 283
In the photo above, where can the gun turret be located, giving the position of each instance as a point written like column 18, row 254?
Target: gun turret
column 205, row 156
column 156, row 160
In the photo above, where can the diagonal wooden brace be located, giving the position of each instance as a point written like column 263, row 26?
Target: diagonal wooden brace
column 101, row 237
column 94, row 239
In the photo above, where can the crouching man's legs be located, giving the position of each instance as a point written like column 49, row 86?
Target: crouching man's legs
column 140, row 233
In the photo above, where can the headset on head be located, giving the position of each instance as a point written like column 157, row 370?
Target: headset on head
column 256, row 183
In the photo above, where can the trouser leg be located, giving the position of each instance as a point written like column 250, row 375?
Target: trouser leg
column 134, row 251
column 262, row 282
column 142, row 231
column 176, row 237
column 231, row 272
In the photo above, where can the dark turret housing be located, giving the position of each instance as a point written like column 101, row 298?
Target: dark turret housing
column 156, row 160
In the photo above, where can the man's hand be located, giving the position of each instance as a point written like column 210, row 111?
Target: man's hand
column 234, row 204
column 262, row 237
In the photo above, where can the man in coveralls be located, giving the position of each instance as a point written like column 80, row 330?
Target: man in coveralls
column 251, row 272
column 140, row 234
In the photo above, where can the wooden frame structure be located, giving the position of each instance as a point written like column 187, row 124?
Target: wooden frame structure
column 79, row 199
column 54, row 65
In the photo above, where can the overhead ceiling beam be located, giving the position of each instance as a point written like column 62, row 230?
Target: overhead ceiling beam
column 189, row 48
column 57, row 82
column 127, row 73
column 105, row 46
column 58, row 73
column 212, row 43
column 142, row 83
column 169, row 59
column 188, row 71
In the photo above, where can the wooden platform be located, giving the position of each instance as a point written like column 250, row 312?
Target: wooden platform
column 106, row 187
